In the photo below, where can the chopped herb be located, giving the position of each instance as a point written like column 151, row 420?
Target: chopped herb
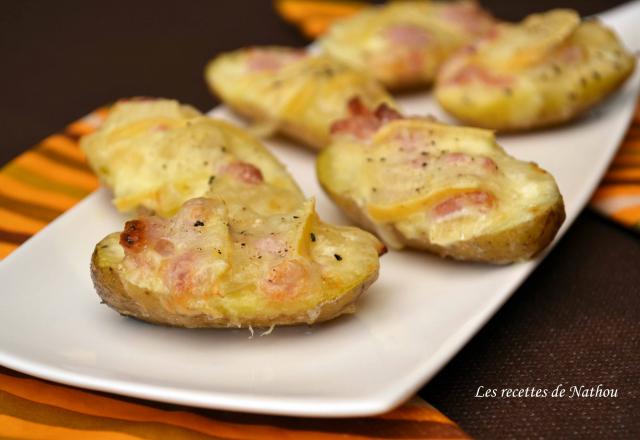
column 219, row 252
column 198, row 223
column 313, row 236
column 295, row 216
column 338, row 257
column 243, row 244
column 211, row 179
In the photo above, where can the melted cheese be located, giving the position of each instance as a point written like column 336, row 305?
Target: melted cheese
column 404, row 43
column 544, row 70
column 158, row 154
column 441, row 182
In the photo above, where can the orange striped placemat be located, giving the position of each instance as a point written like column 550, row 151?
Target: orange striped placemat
column 38, row 186
column 618, row 195
column 36, row 409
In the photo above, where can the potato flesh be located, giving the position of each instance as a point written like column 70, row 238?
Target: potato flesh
column 301, row 98
column 411, row 166
column 545, row 70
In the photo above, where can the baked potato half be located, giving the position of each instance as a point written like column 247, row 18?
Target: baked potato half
column 290, row 90
column 250, row 253
column 403, row 44
column 156, row 154
column 211, row 265
column 546, row 70
column 449, row 190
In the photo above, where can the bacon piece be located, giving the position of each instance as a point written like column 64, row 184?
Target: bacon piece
column 571, row 54
column 408, row 36
column 180, row 273
column 245, row 172
column 260, row 60
column 469, row 16
column 271, row 245
column 463, row 159
column 480, row 201
column 285, row 280
column 159, row 128
column 362, row 122
column 472, row 73
column 164, row 247
column 385, row 114
column 133, row 237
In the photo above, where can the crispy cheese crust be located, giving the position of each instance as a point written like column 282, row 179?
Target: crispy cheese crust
column 543, row 71
column 449, row 190
column 289, row 90
column 403, row 44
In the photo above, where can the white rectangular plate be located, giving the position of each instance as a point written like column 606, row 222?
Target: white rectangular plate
column 413, row 320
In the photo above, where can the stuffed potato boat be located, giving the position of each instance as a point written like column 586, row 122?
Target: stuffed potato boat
column 251, row 252
column 450, row 190
column 545, row 70
column 403, row 44
column 211, row 266
column 156, row 154
column 290, row 90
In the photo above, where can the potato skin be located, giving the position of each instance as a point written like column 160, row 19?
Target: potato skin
column 530, row 238
column 519, row 243
column 144, row 305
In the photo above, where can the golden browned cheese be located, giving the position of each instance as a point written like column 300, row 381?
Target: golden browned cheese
column 545, row 70
column 289, row 90
column 233, row 242
column 449, row 190
column 403, row 44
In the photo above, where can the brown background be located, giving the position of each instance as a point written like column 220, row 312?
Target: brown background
column 575, row 321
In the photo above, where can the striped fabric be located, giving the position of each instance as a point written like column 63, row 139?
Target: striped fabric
column 44, row 182
column 38, row 186
column 35, row 409
column 619, row 193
